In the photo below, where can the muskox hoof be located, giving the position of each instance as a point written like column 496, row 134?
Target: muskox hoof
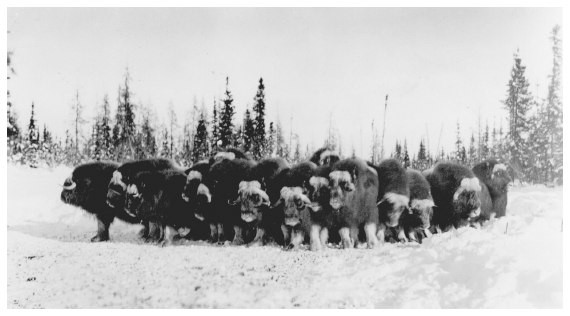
column 212, row 240
column 165, row 243
column 143, row 233
column 237, row 242
column 291, row 247
column 255, row 243
column 99, row 238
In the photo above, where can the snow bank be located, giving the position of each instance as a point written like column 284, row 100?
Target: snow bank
column 513, row 262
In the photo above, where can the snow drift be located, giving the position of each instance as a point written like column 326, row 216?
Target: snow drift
column 512, row 262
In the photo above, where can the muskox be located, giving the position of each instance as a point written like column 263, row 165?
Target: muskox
column 323, row 219
column 122, row 177
column 393, row 198
column 86, row 188
column 494, row 180
column 223, row 183
column 230, row 154
column 354, row 191
column 324, row 157
column 198, row 196
column 416, row 220
column 257, row 193
column 294, row 203
column 156, row 197
column 456, row 192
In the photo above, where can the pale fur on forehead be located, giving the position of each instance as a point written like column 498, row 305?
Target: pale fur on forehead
column 421, row 204
column 499, row 166
column 315, row 181
column 288, row 192
column 467, row 184
column 194, row 175
column 226, row 155
column 132, row 189
column 249, row 185
column 338, row 175
column 372, row 170
column 327, row 153
column 396, row 199
column 117, row 176
column 202, row 189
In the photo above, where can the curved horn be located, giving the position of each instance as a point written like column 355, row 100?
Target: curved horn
column 265, row 197
column 278, row 203
column 71, row 186
column 305, row 199
column 235, row 202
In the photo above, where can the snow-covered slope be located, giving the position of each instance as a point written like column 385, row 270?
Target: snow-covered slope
column 513, row 262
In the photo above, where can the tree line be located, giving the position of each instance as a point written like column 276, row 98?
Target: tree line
column 531, row 143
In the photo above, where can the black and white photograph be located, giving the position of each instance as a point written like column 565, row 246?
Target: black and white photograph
column 284, row 157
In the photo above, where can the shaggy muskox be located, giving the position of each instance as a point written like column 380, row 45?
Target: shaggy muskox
column 156, row 197
column 86, row 188
column 122, row 177
column 393, row 198
column 198, row 196
column 294, row 203
column 354, row 191
column 456, row 192
column 324, row 157
column 494, row 180
column 323, row 219
column 416, row 220
column 261, row 189
column 223, row 183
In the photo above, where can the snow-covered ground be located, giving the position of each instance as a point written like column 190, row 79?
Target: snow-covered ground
column 513, row 262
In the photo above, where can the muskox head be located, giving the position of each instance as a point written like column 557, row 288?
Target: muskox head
column 116, row 191
column 293, row 201
column 319, row 193
column 70, row 193
column 252, row 200
column 393, row 205
column 341, row 186
column 203, row 200
column 467, row 198
column 422, row 210
column 193, row 181
column 498, row 178
column 133, row 199
column 328, row 158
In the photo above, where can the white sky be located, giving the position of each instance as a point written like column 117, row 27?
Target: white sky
column 438, row 66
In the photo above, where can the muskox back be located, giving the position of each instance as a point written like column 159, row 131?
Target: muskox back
column 496, row 178
column 417, row 219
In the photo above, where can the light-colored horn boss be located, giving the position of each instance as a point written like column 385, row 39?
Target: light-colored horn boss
column 467, row 184
column 71, row 186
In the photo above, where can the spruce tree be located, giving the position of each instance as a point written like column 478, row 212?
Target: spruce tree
column 226, row 118
column 406, row 157
column 281, row 149
column 259, row 121
column 129, row 127
column 458, row 145
column 471, row 160
column 269, row 145
column 215, row 128
column 249, row 135
column 200, row 147
column 33, row 133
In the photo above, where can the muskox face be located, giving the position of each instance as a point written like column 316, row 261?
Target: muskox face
column 74, row 190
column 499, row 177
column 393, row 205
column 116, row 192
column 293, row 201
column 252, row 200
column 203, row 200
column 328, row 158
column 467, row 198
column 423, row 211
column 341, row 186
column 319, row 193
column 133, row 199
column 193, row 181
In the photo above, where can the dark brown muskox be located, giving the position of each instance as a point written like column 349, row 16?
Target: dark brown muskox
column 156, row 197
column 223, row 184
column 354, row 191
column 495, row 178
column 86, row 188
column 323, row 218
column 198, row 196
column 456, row 192
column 417, row 219
column 122, row 177
column 393, row 199
column 294, row 203
column 257, row 193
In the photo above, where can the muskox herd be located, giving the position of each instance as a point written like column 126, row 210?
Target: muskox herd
column 320, row 202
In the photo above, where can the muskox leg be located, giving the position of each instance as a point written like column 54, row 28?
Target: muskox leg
column 427, row 232
column 402, row 235
column 143, row 233
column 169, row 233
column 238, row 238
column 221, row 235
column 381, row 234
column 258, row 240
column 315, row 238
column 297, row 237
column 286, row 235
column 103, row 223
column 370, row 230
column 324, row 236
column 213, row 233
column 412, row 235
column 345, row 240
column 154, row 232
